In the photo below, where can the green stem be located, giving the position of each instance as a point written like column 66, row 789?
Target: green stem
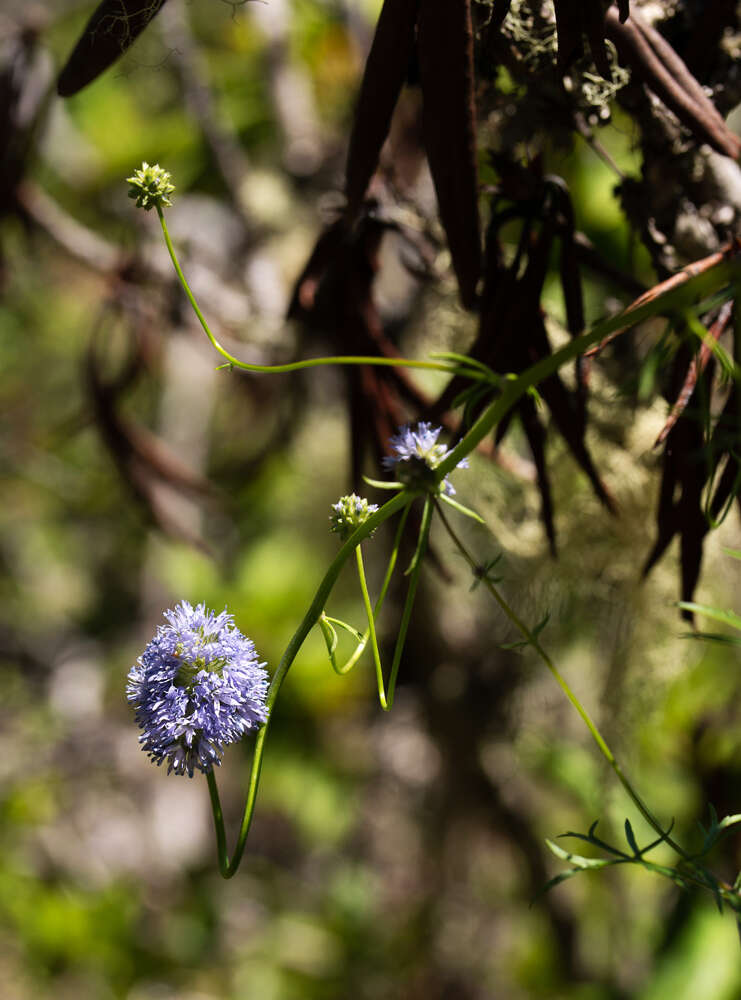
column 728, row 364
column 221, row 851
column 384, row 590
column 360, row 648
column 690, row 291
column 424, row 532
column 361, row 640
column 352, row 660
column 294, row 366
column 228, row 867
column 386, row 698
column 562, row 683
column 392, row 560
column 371, row 627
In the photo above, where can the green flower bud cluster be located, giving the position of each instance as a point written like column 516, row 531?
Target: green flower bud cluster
column 349, row 513
column 150, row 186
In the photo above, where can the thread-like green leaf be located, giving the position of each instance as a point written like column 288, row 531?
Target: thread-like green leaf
column 726, row 617
column 630, row 837
column 577, row 859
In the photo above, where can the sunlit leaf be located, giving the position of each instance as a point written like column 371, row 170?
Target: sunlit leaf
column 726, row 617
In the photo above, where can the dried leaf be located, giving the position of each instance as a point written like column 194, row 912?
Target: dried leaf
column 114, row 26
column 445, row 41
column 385, row 71
column 569, row 29
column 697, row 367
column 535, row 433
column 594, row 28
column 686, row 469
column 143, row 461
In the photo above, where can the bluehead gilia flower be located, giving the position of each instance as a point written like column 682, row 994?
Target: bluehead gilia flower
column 349, row 513
column 417, row 453
column 197, row 687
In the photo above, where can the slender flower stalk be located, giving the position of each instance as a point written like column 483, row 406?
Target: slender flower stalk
column 413, row 570
column 365, row 636
column 532, row 640
column 447, row 367
column 228, row 866
column 371, row 627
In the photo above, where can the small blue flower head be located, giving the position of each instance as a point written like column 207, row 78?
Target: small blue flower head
column 349, row 513
column 150, row 186
column 196, row 687
column 417, row 455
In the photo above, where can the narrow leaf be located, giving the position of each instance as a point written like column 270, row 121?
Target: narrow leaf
column 556, row 880
column 541, row 624
column 590, row 838
column 726, row 617
column 383, row 484
column 330, row 635
column 728, row 640
column 630, row 837
column 461, row 509
column 358, row 636
column 729, row 821
column 577, row 859
column 466, row 361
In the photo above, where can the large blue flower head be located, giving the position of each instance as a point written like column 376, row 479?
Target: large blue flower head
column 196, row 687
column 417, row 454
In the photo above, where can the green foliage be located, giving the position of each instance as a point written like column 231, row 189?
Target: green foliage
column 688, row 874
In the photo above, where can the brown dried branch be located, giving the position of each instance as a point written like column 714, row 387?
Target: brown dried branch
column 78, row 240
column 25, row 77
column 696, row 368
column 654, row 61
column 690, row 271
column 143, row 461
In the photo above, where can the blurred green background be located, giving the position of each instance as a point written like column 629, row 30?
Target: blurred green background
column 392, row 856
